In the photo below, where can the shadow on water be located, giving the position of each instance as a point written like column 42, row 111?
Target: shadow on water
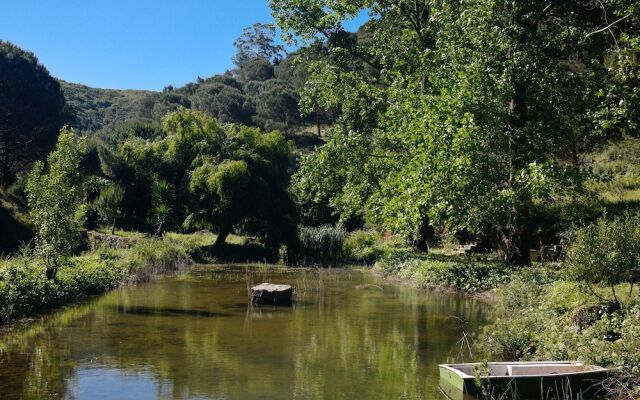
column 239, row 253
column 165, row 312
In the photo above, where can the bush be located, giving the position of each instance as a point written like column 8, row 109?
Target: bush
column 466, row 276
column 109, row 205
column 323, row 245
column 366, row 246
column 541, row 318
column 606, row 253
column 25, row 289
column 55, row 192
column 154, row 257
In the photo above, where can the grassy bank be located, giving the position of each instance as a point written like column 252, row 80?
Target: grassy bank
column 541, row 316
column 445, row 272
column 25, row 291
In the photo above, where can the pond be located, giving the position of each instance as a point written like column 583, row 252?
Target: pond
column 349, row 335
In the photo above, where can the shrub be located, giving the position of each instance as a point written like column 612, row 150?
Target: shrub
column 365, row 246
column 25, row 289
column 54, row 196
column 540, row 318
column 606, row 253
column 153, row 257
column 465, row 276
column 321, row 245
column 109, row 204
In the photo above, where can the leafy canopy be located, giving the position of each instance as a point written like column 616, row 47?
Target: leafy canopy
column 473, row 115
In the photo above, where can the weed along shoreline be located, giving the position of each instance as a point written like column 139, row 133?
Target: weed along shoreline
column 130, row 258
column 26, row 292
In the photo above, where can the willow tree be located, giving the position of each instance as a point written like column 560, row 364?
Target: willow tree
column 246, row 186
column 462, row 114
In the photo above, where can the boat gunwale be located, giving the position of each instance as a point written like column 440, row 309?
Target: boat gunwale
column 461, row 374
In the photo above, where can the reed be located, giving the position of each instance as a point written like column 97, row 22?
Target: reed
column 322, row 245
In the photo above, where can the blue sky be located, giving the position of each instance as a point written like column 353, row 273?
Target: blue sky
column 131, row 44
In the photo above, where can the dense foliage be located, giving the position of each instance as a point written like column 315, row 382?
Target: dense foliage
column 606, row 253
column 97, row 108
column 25, row 289
column 32, row 111
column 193, row 173
column 432, row 272
column 542, row 318
column 473, row 115
column 321, row 245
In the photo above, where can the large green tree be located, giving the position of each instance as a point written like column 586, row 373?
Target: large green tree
column 470, row 115
column 257, row 41
column 199, row 174
column 246, row 186
column 277, row 106
column 32, row 111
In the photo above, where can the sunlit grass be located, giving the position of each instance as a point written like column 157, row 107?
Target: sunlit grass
column 122, row 233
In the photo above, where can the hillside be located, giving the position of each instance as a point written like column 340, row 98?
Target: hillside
column 259, row 93
column 97, row 108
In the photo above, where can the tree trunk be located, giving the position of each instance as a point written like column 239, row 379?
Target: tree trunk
column 424, row 234
column 52, row 270
column 113, row 226
column 222, row 235
column 516, row 248
column 318, row 125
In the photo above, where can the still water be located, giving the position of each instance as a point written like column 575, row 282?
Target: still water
column 349, row 335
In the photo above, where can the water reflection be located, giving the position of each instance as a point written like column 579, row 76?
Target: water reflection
column 195, row 337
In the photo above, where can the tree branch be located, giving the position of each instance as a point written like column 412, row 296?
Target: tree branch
column 608, row 27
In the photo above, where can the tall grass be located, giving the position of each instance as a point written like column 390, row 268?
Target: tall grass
column 322, row 245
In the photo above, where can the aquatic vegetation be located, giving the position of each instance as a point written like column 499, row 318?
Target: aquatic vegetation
column 322, row 245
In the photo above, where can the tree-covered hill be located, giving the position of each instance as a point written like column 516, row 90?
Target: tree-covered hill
column 97, row 108
column 32, row 111
column 264, row 90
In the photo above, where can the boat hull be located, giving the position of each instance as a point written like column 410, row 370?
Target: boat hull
column 577, row 385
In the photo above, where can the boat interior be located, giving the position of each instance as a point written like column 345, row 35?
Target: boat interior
column 526, row 369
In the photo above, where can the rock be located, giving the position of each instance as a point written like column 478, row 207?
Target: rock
column 268, row 293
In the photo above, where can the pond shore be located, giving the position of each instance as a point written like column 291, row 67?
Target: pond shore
column 540, row 315
column 27, row 292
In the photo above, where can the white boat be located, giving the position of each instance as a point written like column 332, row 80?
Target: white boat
column 522, row 380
